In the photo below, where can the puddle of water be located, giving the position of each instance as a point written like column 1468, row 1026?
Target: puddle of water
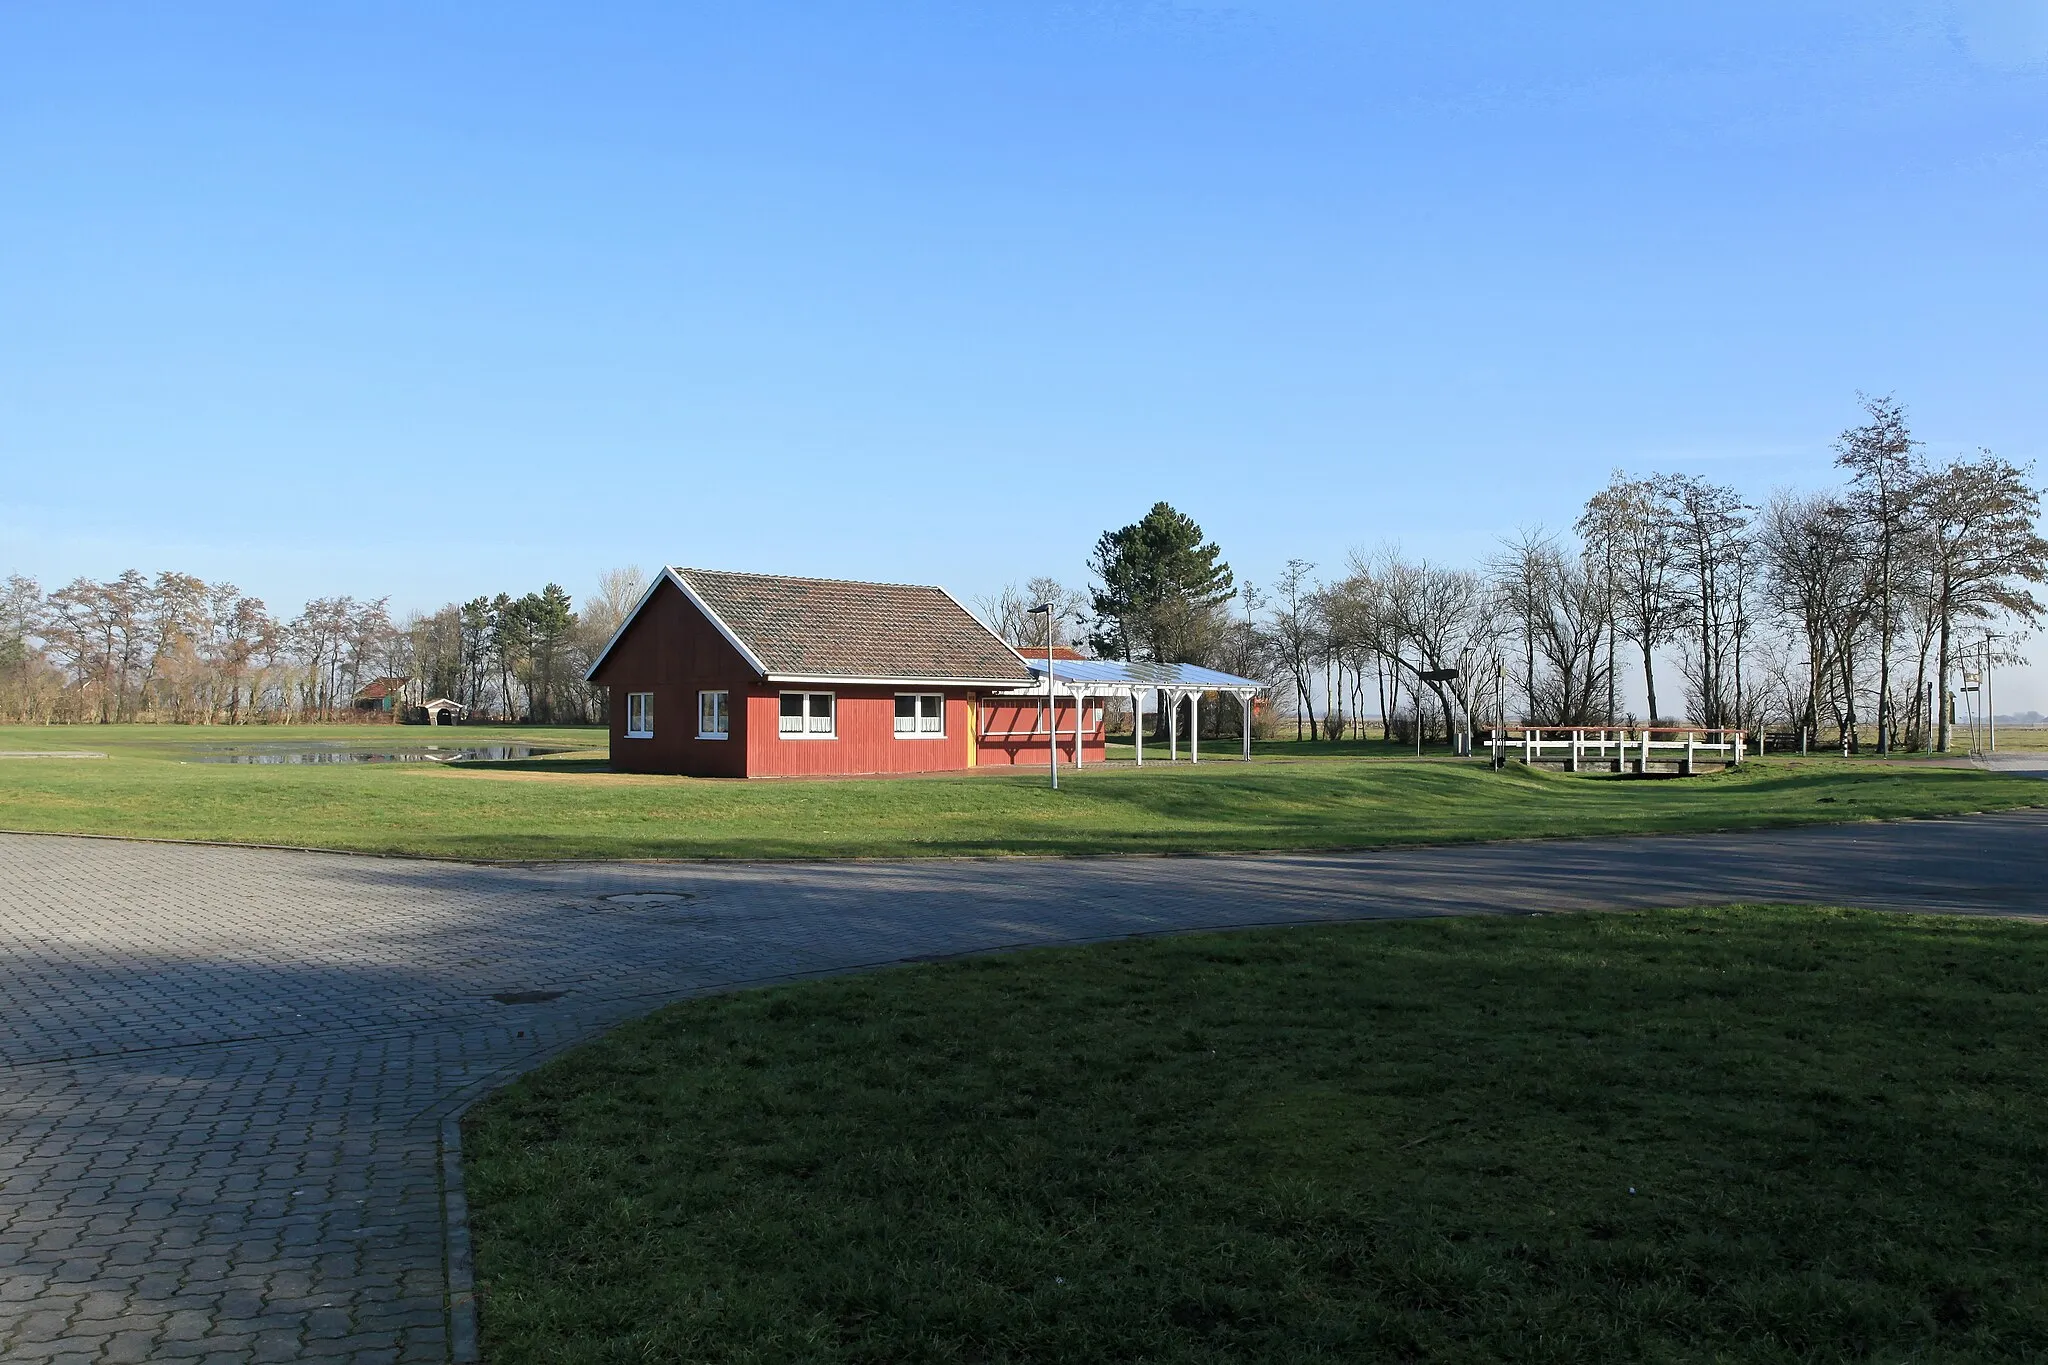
column 335, row 753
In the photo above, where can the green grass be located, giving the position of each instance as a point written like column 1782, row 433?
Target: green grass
column 569, row 807
column 1756, row 1133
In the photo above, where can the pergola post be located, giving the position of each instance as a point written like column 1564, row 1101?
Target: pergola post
column 1195, row 727
column 1172, row 726
column 1080, row 724
column 1138, row 724
column 1244, row 702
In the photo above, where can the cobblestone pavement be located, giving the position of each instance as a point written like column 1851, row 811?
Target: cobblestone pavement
column 224, row 1073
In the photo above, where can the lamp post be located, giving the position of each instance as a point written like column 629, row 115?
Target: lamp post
column 1052, row 712
column 1500, row 713
column 1990, row 715
column 1812, row 717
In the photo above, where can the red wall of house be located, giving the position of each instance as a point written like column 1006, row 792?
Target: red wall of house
column 1003, row 718
column 672, row 651
column 866, row 741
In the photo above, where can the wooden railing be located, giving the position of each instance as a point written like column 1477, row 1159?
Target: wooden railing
column 1618, row 748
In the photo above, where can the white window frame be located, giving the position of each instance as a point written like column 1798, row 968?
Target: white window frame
column 721, row 715
column 809, row 716
column 918, row 728
column 639, row 715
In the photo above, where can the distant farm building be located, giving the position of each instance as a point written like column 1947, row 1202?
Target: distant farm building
column 384, row 695
column 756, row 675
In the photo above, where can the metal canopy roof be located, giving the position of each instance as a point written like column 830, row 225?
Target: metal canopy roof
column 1117, row 674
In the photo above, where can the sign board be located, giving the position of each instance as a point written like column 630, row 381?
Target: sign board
column 1437, row 674
column 1971, row 679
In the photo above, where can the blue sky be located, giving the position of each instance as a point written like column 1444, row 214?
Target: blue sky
column 433, row 301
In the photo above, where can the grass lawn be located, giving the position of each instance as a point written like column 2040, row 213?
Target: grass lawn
column 569, row 807
column 1752, row 1133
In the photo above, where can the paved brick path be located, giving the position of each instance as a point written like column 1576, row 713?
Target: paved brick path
column 224, row 1073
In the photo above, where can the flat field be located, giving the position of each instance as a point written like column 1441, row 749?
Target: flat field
column 567, row 806
column 1754, row 1134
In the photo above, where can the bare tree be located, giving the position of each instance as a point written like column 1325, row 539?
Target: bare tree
column 1431, row 620
column 1520, row 573
column 1813, row 552
column 1880, row 460
column 28, row 682
column 618, row 592
column 1562, row 602
column 1008, row 613
column 1624, row 526
column 1979, row 516
column 243, row 635
column 1707, row 524
column 1297, row 629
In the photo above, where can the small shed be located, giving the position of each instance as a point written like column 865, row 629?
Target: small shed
column 383, row 694
column 441, row 711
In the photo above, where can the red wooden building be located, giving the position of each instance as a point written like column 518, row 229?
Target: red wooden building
column 757, row 675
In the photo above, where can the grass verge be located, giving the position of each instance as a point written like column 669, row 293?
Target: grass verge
column 1751, row 1133
column 566, row 806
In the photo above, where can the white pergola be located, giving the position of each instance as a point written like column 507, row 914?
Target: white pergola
column 1085, row 680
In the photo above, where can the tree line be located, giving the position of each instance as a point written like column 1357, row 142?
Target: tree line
column 1846, row 611
column 175, row 648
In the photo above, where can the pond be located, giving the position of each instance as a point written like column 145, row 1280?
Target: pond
column 314, row 751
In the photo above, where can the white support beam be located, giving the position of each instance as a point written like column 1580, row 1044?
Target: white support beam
column 1138, row 723
column 1245, row 704
column 1194, row 727
column 1080, row 723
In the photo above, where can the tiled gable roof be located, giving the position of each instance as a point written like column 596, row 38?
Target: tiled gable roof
column 827, row 628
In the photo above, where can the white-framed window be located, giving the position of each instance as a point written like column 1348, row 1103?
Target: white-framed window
column 639, row 715
column 920, row 715
column 714, row 715
column 806, row 715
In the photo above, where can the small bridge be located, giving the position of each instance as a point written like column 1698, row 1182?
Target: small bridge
column 1679, row 749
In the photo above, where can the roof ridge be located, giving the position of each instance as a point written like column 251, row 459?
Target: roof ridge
column 807, row 578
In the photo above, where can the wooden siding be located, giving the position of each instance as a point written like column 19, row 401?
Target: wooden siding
column 671, row 650
column 1013, row 731
column 866, row 741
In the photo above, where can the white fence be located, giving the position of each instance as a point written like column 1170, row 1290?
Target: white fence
column 1619, row 749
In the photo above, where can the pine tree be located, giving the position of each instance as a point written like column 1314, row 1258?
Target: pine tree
column 1161, row 589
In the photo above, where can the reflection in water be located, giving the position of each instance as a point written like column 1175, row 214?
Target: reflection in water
column 333, row 753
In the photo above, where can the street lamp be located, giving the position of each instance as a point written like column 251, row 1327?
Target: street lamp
column 1500, row 713
column 1990, row 715
column 1052, row 711
column 1811, row 720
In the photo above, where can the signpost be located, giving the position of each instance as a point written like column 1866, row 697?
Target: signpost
column 1500, row 713
column 1432, row 675
column 1990, row 715
column 1972, row 690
